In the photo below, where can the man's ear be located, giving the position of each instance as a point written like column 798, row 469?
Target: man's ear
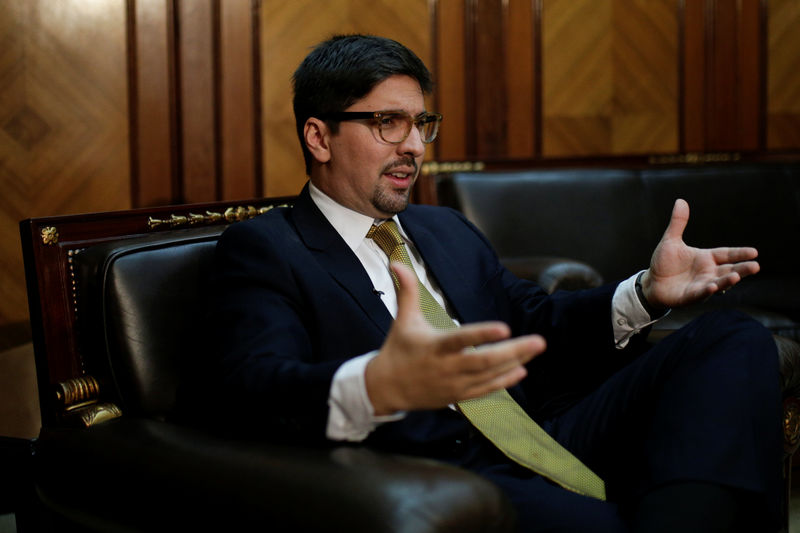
column 317, row 136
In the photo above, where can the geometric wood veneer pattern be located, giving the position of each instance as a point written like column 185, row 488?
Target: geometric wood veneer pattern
column 783, row 82
column 63, row 121
column 610, row 77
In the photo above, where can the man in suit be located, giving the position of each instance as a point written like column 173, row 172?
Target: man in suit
column 319, row 335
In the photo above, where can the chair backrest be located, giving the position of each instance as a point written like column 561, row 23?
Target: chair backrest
column 114, row 301
column 561, row 213
column 140, row 302
column 612, row 219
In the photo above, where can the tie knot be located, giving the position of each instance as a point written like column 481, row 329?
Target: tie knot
column 387, row 236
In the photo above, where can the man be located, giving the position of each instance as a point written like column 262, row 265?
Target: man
column 315, row 342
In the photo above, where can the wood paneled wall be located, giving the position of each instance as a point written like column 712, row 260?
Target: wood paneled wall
column 544, row 79
column 116, row 103
column 63, row 123
column 609, row 77
column 194, row 73
column 723, row 76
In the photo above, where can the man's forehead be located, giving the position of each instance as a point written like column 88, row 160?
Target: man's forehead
column 396, row 93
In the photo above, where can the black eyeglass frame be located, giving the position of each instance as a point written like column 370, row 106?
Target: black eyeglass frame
column 423, row 118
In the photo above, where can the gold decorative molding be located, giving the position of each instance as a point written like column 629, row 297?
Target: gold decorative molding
column 92, row 415
column 49, row 235
column 77, row 392
column 79, row 402
column 791, row 424
column 231, row 214
column 694, row 158
column 434, row 167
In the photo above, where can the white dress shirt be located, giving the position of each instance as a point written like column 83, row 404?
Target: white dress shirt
column 351, row 416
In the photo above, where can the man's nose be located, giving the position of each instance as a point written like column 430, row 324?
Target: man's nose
column 412, row 144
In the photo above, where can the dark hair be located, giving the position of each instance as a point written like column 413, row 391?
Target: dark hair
column 344, row 69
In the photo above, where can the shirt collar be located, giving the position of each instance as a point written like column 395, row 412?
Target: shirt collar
column 350, row 225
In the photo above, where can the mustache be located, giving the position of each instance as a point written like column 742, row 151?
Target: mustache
column 404, row 162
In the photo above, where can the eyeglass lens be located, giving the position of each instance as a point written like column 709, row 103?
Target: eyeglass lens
column 395, row 127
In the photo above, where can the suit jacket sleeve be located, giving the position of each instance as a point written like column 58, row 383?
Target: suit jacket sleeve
column 280, row 327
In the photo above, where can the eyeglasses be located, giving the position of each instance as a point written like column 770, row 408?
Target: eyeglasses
column 394, row 126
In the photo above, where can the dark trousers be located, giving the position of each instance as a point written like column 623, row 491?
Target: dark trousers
column 703, row 405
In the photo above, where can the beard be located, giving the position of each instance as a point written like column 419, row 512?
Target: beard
column 391, row 201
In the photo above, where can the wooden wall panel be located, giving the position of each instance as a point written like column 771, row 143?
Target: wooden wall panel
column 63, row 121
column 693, row 79
column 487, row 98
column 450, row 75
column 722, row 91
column 155, row 160
column 239, row 93
column 609, row 77
column 522, row 65
column 783, row 81
column 288, row 31
column 194, row 74
column 733, row 91
column 750, row 53
column 723, row 76
column 487, row 78
column 196, row 87
column 577, row 77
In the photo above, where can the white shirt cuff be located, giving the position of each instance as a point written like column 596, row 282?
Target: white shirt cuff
column 627, row 312
column 351, row 416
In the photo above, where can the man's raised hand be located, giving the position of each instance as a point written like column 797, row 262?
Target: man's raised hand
column 680, row 274
column 419, row 367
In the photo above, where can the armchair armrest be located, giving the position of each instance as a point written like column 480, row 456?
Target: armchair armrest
column 554, row 273
column 129, row 472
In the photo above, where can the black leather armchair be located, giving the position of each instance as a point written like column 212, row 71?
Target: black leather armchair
column 114, row 300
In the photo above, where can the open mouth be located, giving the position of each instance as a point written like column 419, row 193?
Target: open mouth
column 400, row 179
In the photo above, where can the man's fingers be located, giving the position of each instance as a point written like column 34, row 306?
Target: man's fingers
column 497, row 366
column 493, row 359
column 678, row 220
column 502, row 381
column 455, row 340
column 734, row 255
column 518, row 350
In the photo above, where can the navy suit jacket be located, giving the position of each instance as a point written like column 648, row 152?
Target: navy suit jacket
column 293, row 303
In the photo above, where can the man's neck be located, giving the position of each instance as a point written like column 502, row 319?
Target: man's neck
column 351, row 225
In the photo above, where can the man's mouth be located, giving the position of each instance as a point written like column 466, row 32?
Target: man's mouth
column 401, row 174
column 400, row 180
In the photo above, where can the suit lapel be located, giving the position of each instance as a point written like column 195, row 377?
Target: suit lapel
column 448, row 274
column 338, row 259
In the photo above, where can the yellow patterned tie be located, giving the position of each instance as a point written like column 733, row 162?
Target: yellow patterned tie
column 497, row 416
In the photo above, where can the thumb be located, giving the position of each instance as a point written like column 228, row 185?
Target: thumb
column 407, row 292
column 678, row 220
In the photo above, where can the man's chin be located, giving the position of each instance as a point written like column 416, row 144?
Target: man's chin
column 392, row 203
